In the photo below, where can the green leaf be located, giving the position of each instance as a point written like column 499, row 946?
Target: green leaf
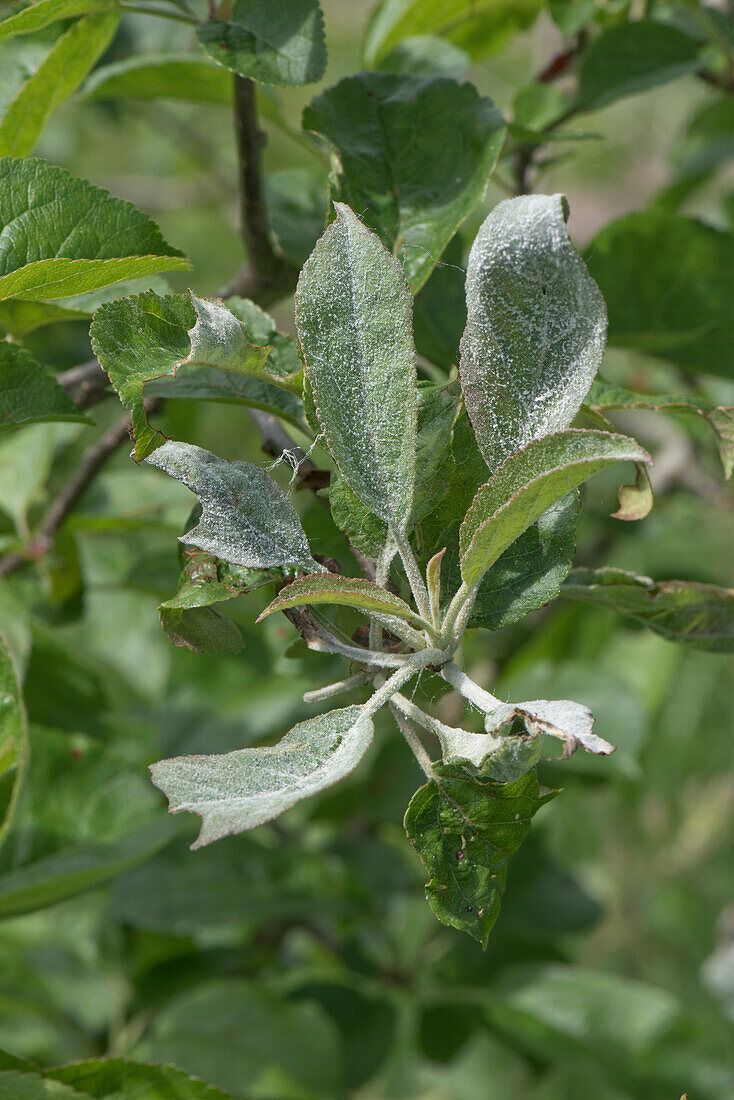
column 243, row 789
column 465, row 828
column 28, row 394
column 708, row 142
column 696, row 615
column 20, row 318
column 536, row 325
column 26, row 457
column 32, row 1086
column 426, row 55
column 73, row 56
column 270, row 43
column 720, row 418
column 677, row 304
column 527, row 484
column 412, row 154
column 537, row 106
column 353, row 312
column 530, row 572
column 33, row 16
column 71, row 871
column 161, row 76
column 347, row 591
column 248, row 1040
column 296, row 200
column 439, row 309
column 13, row 739
column 632, row 57
column 145, row 338
column 189, row 619
column 121, row 1079
column 246, row 517
column 571, row 16
column 479, row 26
column 61, row 236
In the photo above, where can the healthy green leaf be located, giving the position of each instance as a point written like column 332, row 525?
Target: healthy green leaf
column 71, row 871
column 632, row 57
column 246, row 517
column 412, row 154
column 297, row 200
column 61, row 236
column 73, row 56
column 527, row 484
column 353, row 312
column 33, row 16
column 348, row 591
column 676, row 304
column 439, row 309
column 465, row 828
column 13, row 739
column 227, row 388
column 20, row 318
column 708, row 142
column 537, row 106
column 696, row 615
column 270, row 43
column 28, row 394
column 571, row 16
column 720, row 418
column 121, row 1079
column 26, row 457
column 243, row 789
column 479, row 26
column 161, row 76
column 535, row 330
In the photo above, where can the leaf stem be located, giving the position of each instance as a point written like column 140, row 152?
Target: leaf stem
column 414, row 575
column 469, row 689
column 382, row 572
column 162, row 13
column 337, row 688
column 413, row 740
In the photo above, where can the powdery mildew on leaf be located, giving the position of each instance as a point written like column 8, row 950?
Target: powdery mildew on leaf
column 246, row 517
column 572, row 723
column 239, row 790
column 536, row 326
column 353, row 311
column 219, row 339
column 528, row 483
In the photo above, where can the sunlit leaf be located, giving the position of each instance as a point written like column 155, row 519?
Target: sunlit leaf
column 326, row 588
column 161, row 76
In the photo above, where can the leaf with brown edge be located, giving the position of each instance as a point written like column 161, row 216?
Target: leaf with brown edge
column 348, row 591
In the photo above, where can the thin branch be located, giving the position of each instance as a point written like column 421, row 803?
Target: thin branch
column 266, row 276
column 92, row 461
column 85, row 384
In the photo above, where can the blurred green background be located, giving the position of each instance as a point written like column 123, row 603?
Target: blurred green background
column 301, row 961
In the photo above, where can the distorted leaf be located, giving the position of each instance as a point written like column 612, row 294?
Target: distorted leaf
column 243, row 789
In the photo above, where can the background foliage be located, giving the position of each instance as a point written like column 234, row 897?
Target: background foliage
column 301, row 960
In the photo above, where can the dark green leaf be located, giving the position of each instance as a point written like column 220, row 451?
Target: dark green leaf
column 246, row 517
column 536, row 326
column 439, row 309
column 696, row 615
column 28, row 394
column 32, row 1086
column 71, row 871
column 61, row 236
column 238, row 1034
column 527, row 484
column 297, row 201
column 73, row 56
column 465, row 828
column 121, row 1079
column 479, row 26
column 271, row 43
column 161, row 76
column 632, row 57
column 709, row 139
column 353, row 311
column 243, row 789
column 19, row 317
column 227, row 388
column 412, row 154
column 677, row 304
